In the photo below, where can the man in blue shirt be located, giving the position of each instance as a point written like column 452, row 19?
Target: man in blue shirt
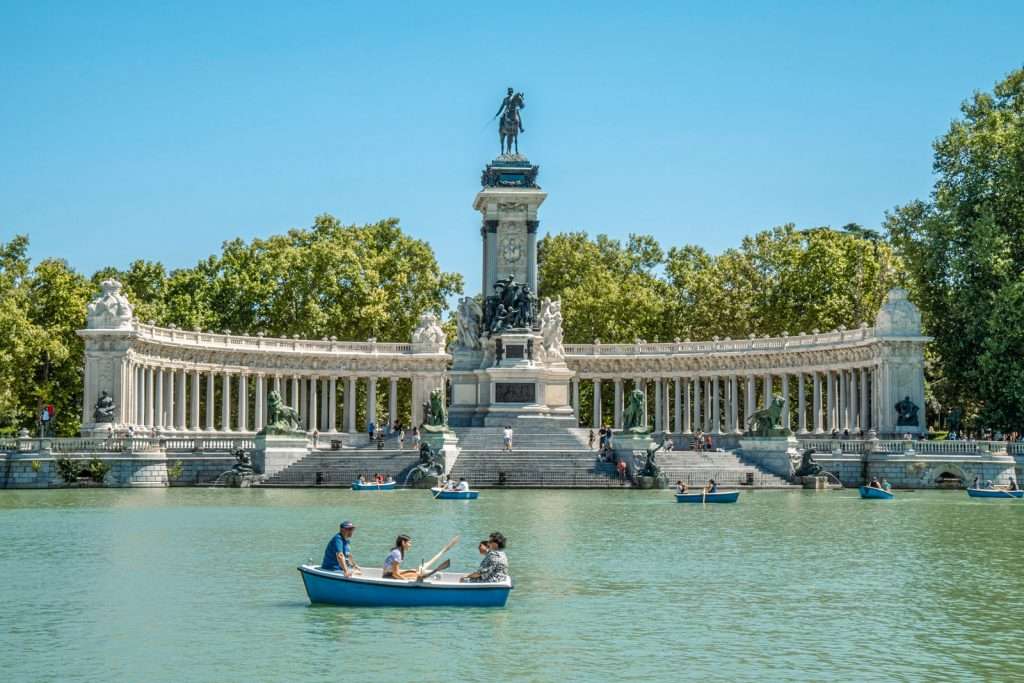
column 338, row 554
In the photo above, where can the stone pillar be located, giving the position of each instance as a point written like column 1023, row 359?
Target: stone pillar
column 677, row 406
column 751, row 402
column 618, row 404
column 259, row 402
column 734, row 404
column 158, row 407
column 371, row 400
column 392, row 400
column 853, row 400
column 209, row 401
column 350, row 405
column 323, row 407
column 816, row 403
column 313, row 413
column 169, row 398
column 801, row 407
column 277, row 386
column 687, row 409
column 295, row 394
column 332, row 405
column 193, row 422
column 830, row 413
column 707, row 405
column 149, row 398
column 179, row 402
column 597, row 404
column 863, row 401
column 243, row 402
column 786, row 422
column 844, row 402
column 658, row 423
column 766, row 388
column 140, row 409
column 715, row 412
column 303, row 402
column 225, row 402
column 698, row 418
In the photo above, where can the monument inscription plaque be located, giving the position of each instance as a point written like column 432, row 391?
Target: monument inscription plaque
column 515, row 392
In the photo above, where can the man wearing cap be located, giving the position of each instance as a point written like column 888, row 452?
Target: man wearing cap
column 338, row 554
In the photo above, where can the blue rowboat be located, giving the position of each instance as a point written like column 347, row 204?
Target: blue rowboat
column 994, row 493
column 879, row 494
column 442, row 494
column 373, row 486
column 370, row 589
column 716, row 497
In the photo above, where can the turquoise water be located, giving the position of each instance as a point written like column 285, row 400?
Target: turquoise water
column 200, row 585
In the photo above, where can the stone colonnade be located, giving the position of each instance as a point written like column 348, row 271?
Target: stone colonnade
column 817, row 401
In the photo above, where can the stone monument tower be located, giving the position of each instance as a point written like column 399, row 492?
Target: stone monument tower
column 508, row 361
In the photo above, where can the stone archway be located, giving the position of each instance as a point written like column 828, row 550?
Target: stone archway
column 948, row 475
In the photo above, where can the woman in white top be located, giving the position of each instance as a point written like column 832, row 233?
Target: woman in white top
column 393, row 562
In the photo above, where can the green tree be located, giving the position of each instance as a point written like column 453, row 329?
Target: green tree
column 965, row 254
column 20, row 339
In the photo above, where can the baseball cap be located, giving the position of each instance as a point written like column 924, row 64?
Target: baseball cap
column 347, row 525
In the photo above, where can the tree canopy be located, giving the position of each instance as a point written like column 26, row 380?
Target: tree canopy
column 964, row 251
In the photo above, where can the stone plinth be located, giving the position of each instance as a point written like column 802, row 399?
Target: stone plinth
column 776, row 454
column 274, row 452
column 443, row 441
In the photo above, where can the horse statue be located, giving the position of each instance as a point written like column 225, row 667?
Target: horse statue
column 511, row 124
column 633, row 415
column 281, row 419
column 767, row 422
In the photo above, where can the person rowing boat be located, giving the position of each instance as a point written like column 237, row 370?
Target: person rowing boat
column 338, row 553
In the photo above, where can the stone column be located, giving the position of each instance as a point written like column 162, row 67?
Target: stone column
column 766, row 388
column 844, row 402
column 863, row 400
column 259, row 402
column 277, row 386
column 716, row 415
column 786, row 422
column 734, row 404
column 698, row 418
column 751, row 403
column 179, row 402
column 225, row 402
column 169, row 398
column 618, row 404
column 853, row 400
column 707, row 405
column 816, row 402
column 371, row 400
column 687, row 409
column 801, row 407
column 303, row 402
column 148, row 417
column 158, row 407
column 243, row 402
column 576, row 398
column 830, row 413
column 658, row 423
column 677, row 406
column 194, row 400
column 140, row 396
column 325, row 426
column 313, row 413
column 209, row 401
column 596, row 411
column 332, row 405
column 295, row 394
column 350, row 405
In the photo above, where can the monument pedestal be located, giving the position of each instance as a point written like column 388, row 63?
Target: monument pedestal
column 274, row 452
column 443, row 441
column 775, row 454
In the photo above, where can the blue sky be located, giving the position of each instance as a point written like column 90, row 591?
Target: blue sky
column 158, row 130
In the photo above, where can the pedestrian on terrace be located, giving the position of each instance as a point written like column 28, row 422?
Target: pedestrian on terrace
column 507, row 434
column 590, row 439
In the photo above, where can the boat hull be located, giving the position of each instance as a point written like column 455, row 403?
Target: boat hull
column 454, row 495
column 370, row 590
column 876, row 494
column 389, row 486
column 718, row 497
column 994, row 493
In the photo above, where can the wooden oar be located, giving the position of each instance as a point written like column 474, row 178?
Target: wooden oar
column 435, row 558
column 440, row 568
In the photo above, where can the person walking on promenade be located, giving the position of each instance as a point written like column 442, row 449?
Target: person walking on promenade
column 416, row 438
column 338, row 554
column 590, row 439
column 401, row 437
column 369, row 429
column 507, row 434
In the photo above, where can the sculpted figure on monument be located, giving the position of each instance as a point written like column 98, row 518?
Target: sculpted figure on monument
column 551, row 329
column 512, row 306
column 434, row 414
column 511, row 124
column 767, row 422
column 104, row 411
column 809, row 467
column 281, row 419
column 633, row 414
column 429, row 333
column 906, row 413
column 110, row 310
column 469, row 323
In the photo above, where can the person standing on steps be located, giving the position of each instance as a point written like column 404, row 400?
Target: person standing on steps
column 508, row 438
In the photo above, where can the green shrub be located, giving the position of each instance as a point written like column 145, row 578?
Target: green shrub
column 98, row 469
column 69, row 470
column 36, row 466
column 175, row 470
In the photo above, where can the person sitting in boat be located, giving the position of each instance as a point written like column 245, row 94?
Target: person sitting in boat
column 874, row 483
column 712, row 487
column 393, row 562
column 362, row 479
column 987, row 484
column 494, row 566
column 885, row 484
column 680, row 486
column 463, row 485
column 1013, row 485
column 338, row 554
column 976, row 483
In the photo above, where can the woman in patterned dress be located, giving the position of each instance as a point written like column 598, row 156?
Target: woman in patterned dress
column 494, row 567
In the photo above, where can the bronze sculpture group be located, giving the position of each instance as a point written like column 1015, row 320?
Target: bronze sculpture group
column 512, row 306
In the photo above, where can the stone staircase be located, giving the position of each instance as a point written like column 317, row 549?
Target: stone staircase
column 342, row 467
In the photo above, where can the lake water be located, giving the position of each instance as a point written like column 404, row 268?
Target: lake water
column 200, row 585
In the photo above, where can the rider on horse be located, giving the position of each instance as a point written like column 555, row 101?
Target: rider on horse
column 511, row 124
